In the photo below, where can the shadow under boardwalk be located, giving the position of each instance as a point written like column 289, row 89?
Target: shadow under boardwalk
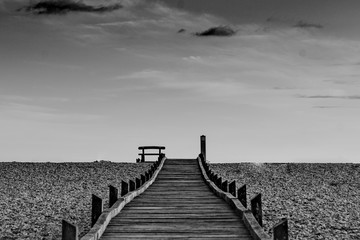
column 178, row 205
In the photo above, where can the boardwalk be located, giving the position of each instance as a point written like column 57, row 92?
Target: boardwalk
column 179, row 205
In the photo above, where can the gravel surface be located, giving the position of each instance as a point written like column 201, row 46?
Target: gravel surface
column 321, row 201
column 35, row 197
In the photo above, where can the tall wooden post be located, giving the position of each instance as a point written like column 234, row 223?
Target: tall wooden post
column 203, row 145
column 69, row 231
column 113, row 195
column 96, row 209
column 280, row 230
column 256, row 208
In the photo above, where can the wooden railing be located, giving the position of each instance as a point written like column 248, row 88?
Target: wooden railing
column 99, row 218
column 237, row 198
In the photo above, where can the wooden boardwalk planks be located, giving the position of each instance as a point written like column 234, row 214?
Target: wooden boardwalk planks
column 177, row 206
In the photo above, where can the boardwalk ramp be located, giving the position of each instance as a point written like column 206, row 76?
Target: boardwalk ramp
column 178, row 205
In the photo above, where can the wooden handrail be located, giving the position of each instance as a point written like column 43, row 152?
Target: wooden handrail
column 100, row 219
column 253, row 217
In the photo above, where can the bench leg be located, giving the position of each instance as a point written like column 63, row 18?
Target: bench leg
column 142, row 157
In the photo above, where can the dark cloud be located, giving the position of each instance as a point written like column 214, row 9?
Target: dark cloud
column 303, row 24
column 217, row 31
column 65, row 6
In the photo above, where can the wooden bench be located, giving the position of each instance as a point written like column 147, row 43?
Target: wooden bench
column 143, row 154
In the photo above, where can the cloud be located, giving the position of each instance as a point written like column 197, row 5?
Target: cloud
column 304, row 24
column 27, row 111
column 349, row 97
column 220, row 31
column 65, row 6
column 193, row 59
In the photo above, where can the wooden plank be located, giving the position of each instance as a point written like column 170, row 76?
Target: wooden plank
column 151, row 147
column 176, row 236
column 204, row 221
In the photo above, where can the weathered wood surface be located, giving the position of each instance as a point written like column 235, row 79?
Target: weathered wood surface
column 178, row 205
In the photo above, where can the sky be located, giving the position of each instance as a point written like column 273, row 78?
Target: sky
column 86, row 86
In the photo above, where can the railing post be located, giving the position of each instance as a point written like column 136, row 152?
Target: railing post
column 242, row 195
column 152, row 169
column 203, row 146
column 124, row 188
column 218, row 182
column 69, row 231
column 147, row 177
column 256, row 208
column 96, row 209
column 212, row 175
column 143, row 179
column 280, row 230
column 131, row 185
column 232, row 188
column 137, row 183
column 161, row 156
column 113, row 195
column 224, row 186
column 215, row 178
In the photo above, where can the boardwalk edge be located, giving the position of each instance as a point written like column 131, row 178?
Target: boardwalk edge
column 99, row 228
column 256, row 231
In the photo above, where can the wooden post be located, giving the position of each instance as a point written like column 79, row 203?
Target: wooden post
column 113, row 195
column 242, row 195
column 203, row 146
column 280, row 230
column 208, row 173
column 137, row 183
column 218, row 182
column 96, row 209
column 215, row 178
column 212, row 175
column 224, row 186
column 256, row 208
column 232, row 188
column 124, row 188
column 69, row 231
column 147, row 177
column 161, row 156
column 143, row 179
column 132, row 185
